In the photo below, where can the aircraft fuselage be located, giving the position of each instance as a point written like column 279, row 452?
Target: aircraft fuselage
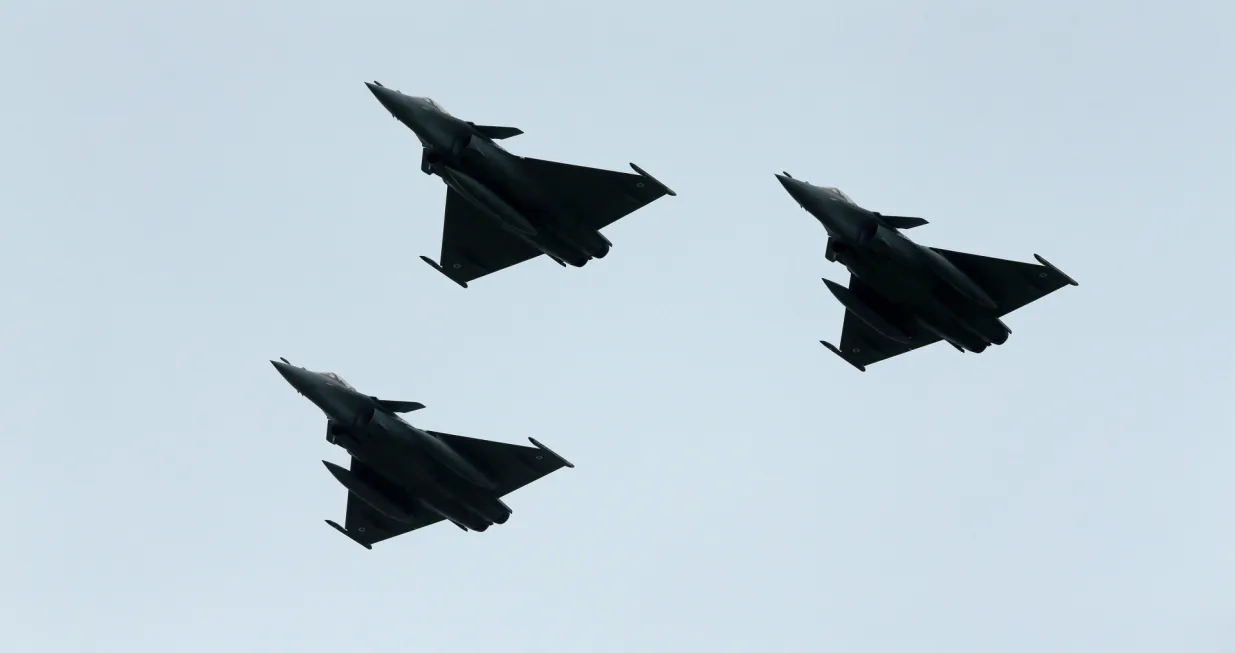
column 492, row 180
column 922, row 288
column 931, row 292
column 418, row 471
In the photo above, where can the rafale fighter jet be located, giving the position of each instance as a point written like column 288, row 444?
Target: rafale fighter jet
column 902, row 295
column 403, row 478
column 503, row 209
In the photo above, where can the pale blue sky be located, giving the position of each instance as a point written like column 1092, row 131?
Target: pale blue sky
column 187, row 192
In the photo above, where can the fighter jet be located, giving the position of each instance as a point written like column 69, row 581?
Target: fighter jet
column 503, row 209
column 402, row 478
column 902, row 295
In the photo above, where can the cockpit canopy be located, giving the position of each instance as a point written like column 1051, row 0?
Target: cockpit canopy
column 335, row 378
column 838, row 194
column 433, row 103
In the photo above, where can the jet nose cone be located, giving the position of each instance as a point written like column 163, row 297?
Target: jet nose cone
column 286, row 371
column 793, row 186
column 387, row 97
column 299, row 378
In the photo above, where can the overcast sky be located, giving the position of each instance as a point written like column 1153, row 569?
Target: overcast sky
column 188, row 190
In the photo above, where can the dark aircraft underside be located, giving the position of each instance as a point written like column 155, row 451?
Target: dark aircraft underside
column 508, row 466
column 1011, row 284
column 474, row 244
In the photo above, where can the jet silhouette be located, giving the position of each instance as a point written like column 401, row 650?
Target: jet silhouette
column 402, row 478
column 901, row 295
column 503, row 209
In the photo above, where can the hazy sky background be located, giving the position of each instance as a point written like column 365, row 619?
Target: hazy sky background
column 188, row 190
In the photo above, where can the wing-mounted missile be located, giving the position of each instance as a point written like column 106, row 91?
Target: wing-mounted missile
column 349, row 535
column 832, row 348
column 652, row 180
column 550, row 452
column 866, row 313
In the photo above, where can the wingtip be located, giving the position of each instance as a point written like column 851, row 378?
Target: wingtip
column 433, row 264
column 832, row 348
column 1070, row 280
column 643, row 173
column 351, row 537
column 565, row 463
